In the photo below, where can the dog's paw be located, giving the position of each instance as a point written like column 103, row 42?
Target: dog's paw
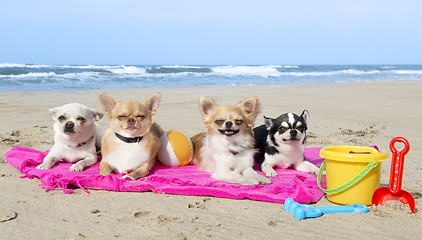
column 263, row 180
column 76, row 168
column 255, row 180
column 43, row 166
column 250, row 182
column 271, row 174
column 269, row 171
column 128, row 176
column 307, row 167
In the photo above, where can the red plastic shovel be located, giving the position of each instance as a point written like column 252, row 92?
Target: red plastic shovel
column 394, row 191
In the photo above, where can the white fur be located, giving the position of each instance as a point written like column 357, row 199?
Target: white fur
column 290, row 154
column 126, row 156
column 291, row 118
column 65, row 146
column 224, row 165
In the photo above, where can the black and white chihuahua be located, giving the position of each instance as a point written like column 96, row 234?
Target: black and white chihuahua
column 281, row 143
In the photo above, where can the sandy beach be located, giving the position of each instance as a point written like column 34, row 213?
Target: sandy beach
column 360, row 113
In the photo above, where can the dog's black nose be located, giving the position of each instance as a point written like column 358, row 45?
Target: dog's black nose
column 229, row 124
column 131, row 120
column 69, row 125
column 293, row 132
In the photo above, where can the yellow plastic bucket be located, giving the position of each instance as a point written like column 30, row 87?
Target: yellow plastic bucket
column 353, row 173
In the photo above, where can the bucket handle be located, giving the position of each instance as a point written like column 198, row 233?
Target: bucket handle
column 373, row 163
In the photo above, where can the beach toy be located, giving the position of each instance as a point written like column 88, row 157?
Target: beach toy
column 353, row 173
column 176, row 149
column 301, row 211
column 394, row 191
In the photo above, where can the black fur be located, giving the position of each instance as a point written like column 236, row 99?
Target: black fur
column 260, row 135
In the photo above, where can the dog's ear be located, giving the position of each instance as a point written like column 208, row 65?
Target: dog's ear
column 206, row 105
column 54, row 112
column 153, row 102
column 107, row 102
column 305, row 116
column 268, row 122
column 97, row 115
column 250, row 108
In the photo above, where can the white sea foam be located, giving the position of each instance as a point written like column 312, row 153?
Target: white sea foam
column 21, row 65
column 330, row 73
column 407, row 71
column 31, row 75
column 358, row 72
column 11, row 65
column 288, row 66
column 182, row 66
column 84, row 66
column 126, row 70
column 262, row 71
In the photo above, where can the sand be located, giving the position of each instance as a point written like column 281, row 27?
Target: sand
column 366, row 113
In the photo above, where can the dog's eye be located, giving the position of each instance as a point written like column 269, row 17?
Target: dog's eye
column 140, row 116
column 120, row 117
column 81, row 119
column 238, row 122
column 301, row 128
column 62, row 118
column 219, row 122
column 282, row 129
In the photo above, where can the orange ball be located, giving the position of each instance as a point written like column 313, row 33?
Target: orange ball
column 176, row 149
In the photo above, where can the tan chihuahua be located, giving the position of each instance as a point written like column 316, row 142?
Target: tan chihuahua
column 131, row 143
column 226, row 150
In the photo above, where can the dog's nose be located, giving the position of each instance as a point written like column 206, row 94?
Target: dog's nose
column 69, row 125
column 293, row 132
column 131, row 120
column 229, row 124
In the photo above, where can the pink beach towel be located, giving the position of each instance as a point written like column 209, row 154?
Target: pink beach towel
column 187, row 180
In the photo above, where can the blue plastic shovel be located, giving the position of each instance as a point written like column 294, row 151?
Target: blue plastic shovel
column 301, row 211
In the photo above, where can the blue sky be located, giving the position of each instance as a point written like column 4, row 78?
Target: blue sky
column 211, row 32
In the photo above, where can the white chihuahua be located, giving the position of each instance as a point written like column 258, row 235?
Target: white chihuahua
column 77, row 136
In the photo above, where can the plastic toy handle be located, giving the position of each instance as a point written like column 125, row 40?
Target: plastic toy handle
column 344, row 209
column 373, row 163
column 397, row 162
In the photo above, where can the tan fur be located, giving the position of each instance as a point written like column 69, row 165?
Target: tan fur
column 197, row 142
column 226, row 149
column 119, row 114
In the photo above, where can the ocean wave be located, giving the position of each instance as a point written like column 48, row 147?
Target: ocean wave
column 330, row 73
column 31, row 75
column 11, row 65
column 22, row 65
column 81, row 76
column 262, row 71
column 112, row 68
column 359, row 72
column 126, row 70
column 178, row 69
column 182, row 66
column 404, row 72
column 287, row 66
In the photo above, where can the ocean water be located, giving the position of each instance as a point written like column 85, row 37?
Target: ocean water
column 32, row 77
